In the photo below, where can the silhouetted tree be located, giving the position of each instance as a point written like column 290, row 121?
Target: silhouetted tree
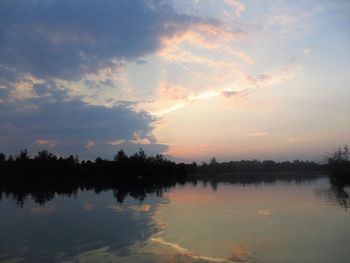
column 120, row 156
column 2, row 157
column 10, row 159
column 213, row 161
column 45, row 156
column 76, row 159
column 22, row 156
column 339, row 163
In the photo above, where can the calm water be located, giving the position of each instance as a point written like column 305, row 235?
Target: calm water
column 275, row 222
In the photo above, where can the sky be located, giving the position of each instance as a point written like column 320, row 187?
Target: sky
column 191, row 79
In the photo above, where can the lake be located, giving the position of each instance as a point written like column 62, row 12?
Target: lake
column 197, row 221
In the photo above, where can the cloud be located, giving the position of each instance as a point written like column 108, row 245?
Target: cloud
column 186, row 101
column 64, row 39
column 212, row 36
column 141, row 62
column 240, row 252
column 117, row 142
column 293, row 21
column 61, row 72
column 46, row 143
column 292, row 140
column 257, row 134
column 237, row 5
column 140, row 208
column 264, row 212
column 44, row 210
column 307, row 51
column 259, row 81
column 53, row 52
column 72, row 126
column 229, row 94
column 89, row 144
column 264, row 80
column 117, row 208
column 187, row 252
column 88, row 206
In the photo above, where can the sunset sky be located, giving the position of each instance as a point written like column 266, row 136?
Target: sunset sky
column 190, row 79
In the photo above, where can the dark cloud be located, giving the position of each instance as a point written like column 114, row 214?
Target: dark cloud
column 7, row 75
column 65, row 38
column 141, row 62
column 4, row 94
column 229, row 94
column 66, row 127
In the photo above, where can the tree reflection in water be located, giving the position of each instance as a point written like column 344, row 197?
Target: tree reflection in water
column 46, row 189
column 337, row 193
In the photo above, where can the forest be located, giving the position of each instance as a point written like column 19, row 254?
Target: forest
column 139, row 164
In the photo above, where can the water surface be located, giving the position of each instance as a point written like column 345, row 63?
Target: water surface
column 194, row 222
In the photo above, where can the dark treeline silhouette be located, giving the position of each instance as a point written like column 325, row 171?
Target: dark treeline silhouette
column 253, row 166
column 46, row 164
column 124, row 167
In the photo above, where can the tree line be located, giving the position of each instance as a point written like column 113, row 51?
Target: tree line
column 122, row 166
column 139, row 164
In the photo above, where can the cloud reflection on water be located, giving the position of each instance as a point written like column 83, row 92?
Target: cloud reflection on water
column 190, row 223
